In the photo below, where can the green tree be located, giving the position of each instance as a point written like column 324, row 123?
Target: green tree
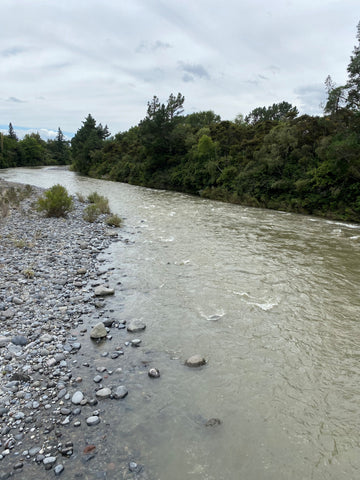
column 33, row 150
column 276, row 112
column 336, row 96
column 12, row 133
column 59, row 149
column 88, row 139
column 353, row 83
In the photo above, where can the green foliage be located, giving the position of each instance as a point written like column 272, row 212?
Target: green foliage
column 276, row 112
column 88, row 139
column 91, row 213
column 101, row 203
column 55, row 202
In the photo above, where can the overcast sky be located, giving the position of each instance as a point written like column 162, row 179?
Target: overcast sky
column 60, row 60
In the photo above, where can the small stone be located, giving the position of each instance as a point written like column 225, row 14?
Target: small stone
column 154, row 373
column 49, row 462
column 103, row 290
column 4, row 341
column 213, row 422
column 81, row 271
column 19, row 340
column 97, row 378
column 195, row 361
column 77, row 398
column 120, row 392
column 93, row 420
column 103, row 393
column 59, row 469
column 46, row 338
column 136, row 342
column 136, row 326
column 89, row 449
column 134, row 467
column 34, row 451
column 99, row 331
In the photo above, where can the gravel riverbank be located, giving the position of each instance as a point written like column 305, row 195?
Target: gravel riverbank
column 52, row 419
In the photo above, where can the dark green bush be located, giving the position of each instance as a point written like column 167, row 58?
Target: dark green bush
column 56, row 202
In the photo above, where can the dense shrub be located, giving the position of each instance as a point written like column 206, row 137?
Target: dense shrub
column 55, row 202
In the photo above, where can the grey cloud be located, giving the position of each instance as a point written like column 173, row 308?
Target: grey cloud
column 15, row 100
column 146, row 47
column 188, row 78
column 194, row 70
column 274, row 69
column 12, row 52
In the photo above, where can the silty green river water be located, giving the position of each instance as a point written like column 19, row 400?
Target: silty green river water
column 271, row 299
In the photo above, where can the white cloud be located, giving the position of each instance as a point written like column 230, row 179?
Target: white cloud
column 109, row 58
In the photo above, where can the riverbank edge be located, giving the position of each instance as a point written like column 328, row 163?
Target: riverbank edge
column 50, row 268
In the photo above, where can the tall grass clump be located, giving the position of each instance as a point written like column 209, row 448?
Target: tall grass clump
column 102, row 203
column 56, row 202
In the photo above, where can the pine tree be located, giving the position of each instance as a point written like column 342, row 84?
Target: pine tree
column 12, row 133
column 353, row 84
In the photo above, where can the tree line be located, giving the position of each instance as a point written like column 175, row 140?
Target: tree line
column 270, row 158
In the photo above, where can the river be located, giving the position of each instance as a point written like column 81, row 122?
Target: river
column 270, row 299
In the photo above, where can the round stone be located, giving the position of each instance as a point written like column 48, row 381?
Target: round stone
column 77, row 398
column 93, row 420
column 58, row 469
column 154, row 373
column 119, row 392
column 103, row 392
column 136, row 326
column 195, row 361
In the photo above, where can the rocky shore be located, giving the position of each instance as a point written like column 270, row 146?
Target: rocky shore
column 54, row 286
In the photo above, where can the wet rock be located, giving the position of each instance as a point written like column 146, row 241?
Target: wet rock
column 119, row 392
column 93, row 420
column 103, row 290
column 99, row 331
column 136, row 342
column 136, row 326
column 154, row 373
column 77, row 398
column 213, row 422
column 195, row 361
column 49, row 462
column 103, row 393
column 58, row 469
column 135, row 467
